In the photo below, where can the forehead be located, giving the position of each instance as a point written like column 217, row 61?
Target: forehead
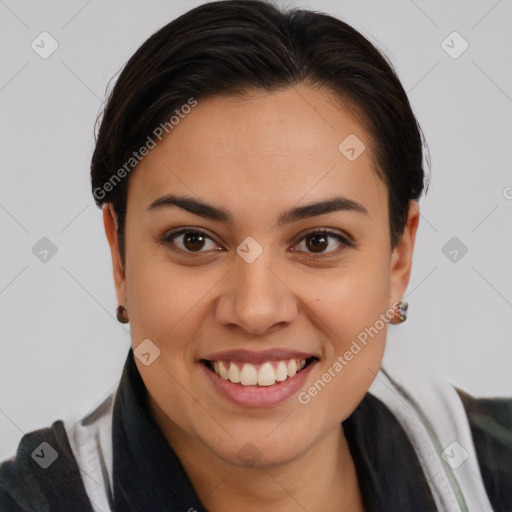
column 256, row 153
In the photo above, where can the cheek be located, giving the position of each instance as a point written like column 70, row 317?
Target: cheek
column 165, row 307
column 165, row 302
column 351, row 311
column 170, row 304
column 351, row 298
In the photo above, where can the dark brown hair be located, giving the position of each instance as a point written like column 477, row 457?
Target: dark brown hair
column 229, row 46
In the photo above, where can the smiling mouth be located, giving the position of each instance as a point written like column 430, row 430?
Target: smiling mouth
column 266, row 374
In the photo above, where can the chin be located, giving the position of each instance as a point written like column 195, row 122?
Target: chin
column 250, row 455
column 260, row 449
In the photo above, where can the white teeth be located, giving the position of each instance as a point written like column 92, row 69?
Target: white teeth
column 281, row 371
column 267, row 375
column 234, row 373
column 222, row 370
column 292, row 367
column 248, row 375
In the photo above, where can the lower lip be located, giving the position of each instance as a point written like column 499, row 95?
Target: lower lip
column 259, row 396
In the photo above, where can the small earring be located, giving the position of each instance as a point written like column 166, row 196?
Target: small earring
column 401, row 314
column 122, row 314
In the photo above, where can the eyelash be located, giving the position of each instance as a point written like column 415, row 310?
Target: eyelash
column 167, row 238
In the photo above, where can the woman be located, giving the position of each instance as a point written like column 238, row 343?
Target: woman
column 259, row 173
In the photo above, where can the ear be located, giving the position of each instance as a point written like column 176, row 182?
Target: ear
column 401, row 258
column 110, row 223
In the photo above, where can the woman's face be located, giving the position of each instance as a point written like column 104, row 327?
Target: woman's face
column 258, row 290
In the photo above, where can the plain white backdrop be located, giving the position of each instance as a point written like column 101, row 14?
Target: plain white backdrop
column 62, row 349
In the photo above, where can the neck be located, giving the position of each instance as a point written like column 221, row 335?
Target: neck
column 322, row 478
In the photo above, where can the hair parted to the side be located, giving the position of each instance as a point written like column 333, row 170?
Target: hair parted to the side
column 231, row 46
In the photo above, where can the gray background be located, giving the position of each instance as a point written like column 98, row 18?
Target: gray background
column 62, row 350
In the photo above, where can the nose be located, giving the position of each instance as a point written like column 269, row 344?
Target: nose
column 256, row 299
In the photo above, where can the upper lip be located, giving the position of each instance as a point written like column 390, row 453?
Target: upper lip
column 249, row 356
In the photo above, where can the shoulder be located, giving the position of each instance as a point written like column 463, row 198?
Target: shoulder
column 43, row 474
column 490, row 420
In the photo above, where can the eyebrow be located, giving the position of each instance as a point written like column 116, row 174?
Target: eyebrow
column 198, row 207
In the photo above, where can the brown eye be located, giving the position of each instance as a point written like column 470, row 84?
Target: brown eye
column 188, row 240
column 317, row 242
column 193, row 241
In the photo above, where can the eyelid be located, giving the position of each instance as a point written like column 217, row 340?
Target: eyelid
column 346, row 238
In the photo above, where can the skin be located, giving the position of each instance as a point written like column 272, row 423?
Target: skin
column 257, row 156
